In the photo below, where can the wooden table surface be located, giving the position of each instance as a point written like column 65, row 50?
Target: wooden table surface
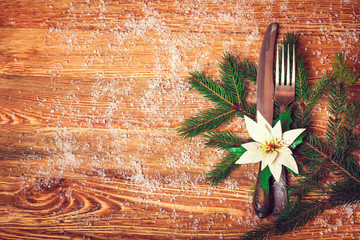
column 91, row 94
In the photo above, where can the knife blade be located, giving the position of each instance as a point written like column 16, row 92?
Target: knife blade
column 263, row 203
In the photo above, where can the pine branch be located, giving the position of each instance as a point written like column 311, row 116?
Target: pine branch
column 338, row 133
column 315, row 165
column 290, row 219
column 355, row 142
column 246, row 110
column 205, row 121
column 351, row 167
column 352, row 115
column 305, row 97
column 320, row 88
column 232, row 75
column 222, row 169
column 289, row 39
column 344, row 193
column 302, row 187
column 337, row 104
column 248, row 69
column 260, row 233
column 345, row 171
column 341, row 70
column 302, row 90
column 232, row 78
column 351, row 121
column 302, row 114
column 223, row 140
column 335, row 155
column 211, row 89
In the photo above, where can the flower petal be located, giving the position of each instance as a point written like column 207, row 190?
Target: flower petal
column 258, row 132
column 285, row 149
column 276, row 132
column 275, row 169
column 267, row 159
column 251, row 146
column 290, row 136
column 261, row 120
column 288, row 160
column 249, row 157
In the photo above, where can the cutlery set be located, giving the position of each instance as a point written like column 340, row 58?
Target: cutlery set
column 283, row 91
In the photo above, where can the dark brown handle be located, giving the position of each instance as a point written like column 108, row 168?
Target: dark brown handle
column 263, row 204
column 280, row 193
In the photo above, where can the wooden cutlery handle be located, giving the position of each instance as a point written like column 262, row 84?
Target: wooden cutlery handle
column 263, row 204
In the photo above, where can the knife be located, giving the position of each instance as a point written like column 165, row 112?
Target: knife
column 263, row 203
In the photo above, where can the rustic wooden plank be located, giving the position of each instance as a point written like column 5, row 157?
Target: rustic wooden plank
column 91, row 94
column 119, row 209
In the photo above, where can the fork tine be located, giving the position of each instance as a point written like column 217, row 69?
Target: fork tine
column 293, row 68
column 288, row 66
column 277, row 78
column 282, row 82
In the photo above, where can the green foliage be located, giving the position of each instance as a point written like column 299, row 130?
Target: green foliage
column 205, row 121
column 223, row 140
column 285, row 119
column 298, row 141
column 319, row 89
column 294, row 217
column 319, row 156
column 211, row 89
column 232, row 78
column 248, row 69
column 228, row 95
column 238, row 151
column 222, row 169
column 307, row 96
column 344, row 193
column 264, row 177
column 289, row 220
column 261, row 232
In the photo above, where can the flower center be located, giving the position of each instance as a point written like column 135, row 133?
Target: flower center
column 271, row 146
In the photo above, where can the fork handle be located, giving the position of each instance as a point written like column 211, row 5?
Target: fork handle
column 263, row 203
column 280, row 193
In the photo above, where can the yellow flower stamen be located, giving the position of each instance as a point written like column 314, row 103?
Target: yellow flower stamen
column 271, row 146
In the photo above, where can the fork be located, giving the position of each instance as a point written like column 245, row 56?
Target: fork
column 284, row 95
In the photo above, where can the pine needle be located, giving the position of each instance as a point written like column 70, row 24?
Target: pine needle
column 205, row 121
column 222, row 169
column 211, row 89
column 223, row 140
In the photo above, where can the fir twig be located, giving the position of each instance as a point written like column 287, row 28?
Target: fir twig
column 261, row 232
column 341, row 168
column 205, row 121
column 232, row 78
column 298, row 216
column 222, row 169
column 248, row 69
column 288, row 220
column 211, row 89
column 319, row 89
column 216, row 139
column 344, row 193
column 338, row 101
column 318, row 156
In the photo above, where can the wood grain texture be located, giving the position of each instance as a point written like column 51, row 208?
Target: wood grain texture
column 91, row 93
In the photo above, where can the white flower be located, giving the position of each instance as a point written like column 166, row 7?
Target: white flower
column 270, row 146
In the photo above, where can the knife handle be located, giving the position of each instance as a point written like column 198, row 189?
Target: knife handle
column 280, row 193
column 263, row 203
